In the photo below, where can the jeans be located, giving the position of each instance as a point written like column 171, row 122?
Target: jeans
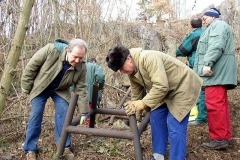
column 36, row 117
column 164, row 126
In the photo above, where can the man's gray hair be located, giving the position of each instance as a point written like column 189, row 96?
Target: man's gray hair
column 77, row 42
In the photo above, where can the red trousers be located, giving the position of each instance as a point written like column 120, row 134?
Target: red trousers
column 218, row 112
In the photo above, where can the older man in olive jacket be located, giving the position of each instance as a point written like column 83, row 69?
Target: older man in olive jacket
column 172, row 90
column 216, row 64
column 50, row 73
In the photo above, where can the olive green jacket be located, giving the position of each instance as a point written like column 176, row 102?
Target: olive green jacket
column 44, row 66
column 165, row 79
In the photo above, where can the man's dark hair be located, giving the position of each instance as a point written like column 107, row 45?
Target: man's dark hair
column 196, row 22
column 116, row 57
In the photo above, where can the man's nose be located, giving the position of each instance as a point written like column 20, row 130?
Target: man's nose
column 77, row 60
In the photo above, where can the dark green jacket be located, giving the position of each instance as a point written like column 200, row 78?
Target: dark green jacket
column 44, row 66
column 95, row 74
column 189, row 46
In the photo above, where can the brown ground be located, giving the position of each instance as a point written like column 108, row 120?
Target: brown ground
column 86, row 147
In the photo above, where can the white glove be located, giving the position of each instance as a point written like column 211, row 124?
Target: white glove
column 83, row 118
column 207, row 71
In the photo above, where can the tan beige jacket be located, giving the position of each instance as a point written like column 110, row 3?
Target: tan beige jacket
column 166, row 79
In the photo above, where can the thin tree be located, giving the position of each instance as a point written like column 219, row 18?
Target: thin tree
column 15, row 51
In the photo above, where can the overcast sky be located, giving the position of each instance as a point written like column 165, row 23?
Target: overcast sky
column 115, row 8
column 202, row 4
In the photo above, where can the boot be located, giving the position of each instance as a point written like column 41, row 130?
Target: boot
column 31, row 155
column 68, row 154
column 216, row 144
column 196, row 123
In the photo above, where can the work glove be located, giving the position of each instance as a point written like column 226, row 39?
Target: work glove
column 83, row 118
column 207, row 71
column 138, row 115
column 131, row 107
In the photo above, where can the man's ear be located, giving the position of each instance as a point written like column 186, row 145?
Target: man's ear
column 132, row 61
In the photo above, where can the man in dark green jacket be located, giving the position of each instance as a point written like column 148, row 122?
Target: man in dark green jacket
column 188, row 49
column 189, row 45
column 95, row 74
column 50, row 73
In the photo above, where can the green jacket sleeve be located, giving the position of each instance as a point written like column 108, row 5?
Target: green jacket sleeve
column 81, row 90
column 99, row 76
column 32, row 68
column 185, row 48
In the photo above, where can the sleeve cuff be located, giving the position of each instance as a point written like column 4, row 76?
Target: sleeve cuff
column 208, row 64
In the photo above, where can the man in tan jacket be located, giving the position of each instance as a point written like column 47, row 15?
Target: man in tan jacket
column 172, row 89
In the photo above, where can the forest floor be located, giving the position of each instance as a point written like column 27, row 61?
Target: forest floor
column 87, row 147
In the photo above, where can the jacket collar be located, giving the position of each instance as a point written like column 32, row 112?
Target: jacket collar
column 135, row 53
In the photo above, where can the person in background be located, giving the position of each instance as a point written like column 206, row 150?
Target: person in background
column 216, row 64
column 188, row 46
column 171, row 88
column 49, row 74
column 95, row 74
column 188, row 49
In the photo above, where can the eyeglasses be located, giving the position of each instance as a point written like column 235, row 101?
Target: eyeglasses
column 204, row 18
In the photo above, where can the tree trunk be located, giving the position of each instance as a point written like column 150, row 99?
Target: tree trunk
column 56, row 19
column 15, row 51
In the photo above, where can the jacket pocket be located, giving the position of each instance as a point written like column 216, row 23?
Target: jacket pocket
column 202, row 47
